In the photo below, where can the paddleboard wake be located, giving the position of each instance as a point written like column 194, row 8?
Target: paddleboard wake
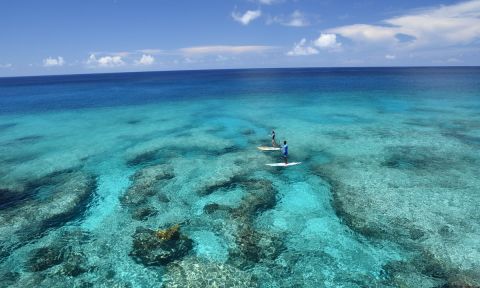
column 283, row 164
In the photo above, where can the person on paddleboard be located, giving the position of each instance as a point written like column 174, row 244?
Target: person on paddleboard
column 274, row 144
column 285, row 151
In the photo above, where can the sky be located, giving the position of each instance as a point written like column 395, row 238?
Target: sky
column 98, row 36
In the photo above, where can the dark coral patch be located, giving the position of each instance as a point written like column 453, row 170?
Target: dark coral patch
column 134, row 121
column 145, row 184
column 413, row 157
column 6, row 126
column 255, row 246
column 63, row 252
column 151, row 250
column 9, row 197
column 248, row 132
column 44, row 258
column 143, row 158
column 29, row 139
column 65, row 197
column 9, row 279
column 464, row 138
column 261, row 196
column 143, row 213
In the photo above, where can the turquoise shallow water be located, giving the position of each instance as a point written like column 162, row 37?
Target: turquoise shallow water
column 386, row 195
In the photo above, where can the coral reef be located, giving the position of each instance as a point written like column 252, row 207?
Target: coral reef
column 193, row 273
column 171, row 233
column 214, row 207
column 9, row 279
column 65, row 252
column 145, row 184
column 255, row 246
column 220, row 183
column 405, row 195
column 260, row 197
column 152, row 248
column 6, row 126
column 44, row 258
column 142, row 158
column 248, row 132
column 72, row 262
column 53, row 200
column 9, row 197
column 143, row 213
column 252, row 246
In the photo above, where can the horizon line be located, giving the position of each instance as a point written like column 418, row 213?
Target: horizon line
column 252, row 68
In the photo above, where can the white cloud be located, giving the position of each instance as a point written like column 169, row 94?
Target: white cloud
column 327, row 41
column 302, row 49
column 454, row 60
column 105, row 61
column 224, row 49
column 221, row 58
column 151, row 51
column 146, row 59
column 247, row 17
column 296, row 19
column 109, row 53
column 457, row 24
column 50, row 61
column 188, row 60
column 6, row 65
column 366, row 33
column 390, row 57
column 268, row 2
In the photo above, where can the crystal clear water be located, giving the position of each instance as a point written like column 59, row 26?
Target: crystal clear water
column 387, row 194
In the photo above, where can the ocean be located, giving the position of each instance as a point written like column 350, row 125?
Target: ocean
column 151, row 179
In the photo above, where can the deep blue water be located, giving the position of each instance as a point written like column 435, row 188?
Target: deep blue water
column 387, row 195
column 33, row 94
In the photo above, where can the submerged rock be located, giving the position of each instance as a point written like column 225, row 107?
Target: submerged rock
column 6, row 126
column 406, row 274
column 145, row 184
column 63, row 252
column 152, row 156
column 255, row 246
column 44, row 258
column 248, row 132
column 194, row 273
column 9, row 279
column 225, row 183
column 415, row 158
column 414, row 197
column 30, row 139
column 261, row 196
column 134, row 121
column 156, row 248
column 75, row 264
column 163, row 198
column 214, row 207
column 10, row 197
column 57, row 199
column 143, row 158
column 143, row 213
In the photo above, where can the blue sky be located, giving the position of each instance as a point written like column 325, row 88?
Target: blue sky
column 63, row 37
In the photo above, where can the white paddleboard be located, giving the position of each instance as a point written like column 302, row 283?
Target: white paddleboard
column 268, row 148
column 283, row 164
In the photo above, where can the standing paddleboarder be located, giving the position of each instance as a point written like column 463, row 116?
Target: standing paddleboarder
column 274, row 144
column 285, row 151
